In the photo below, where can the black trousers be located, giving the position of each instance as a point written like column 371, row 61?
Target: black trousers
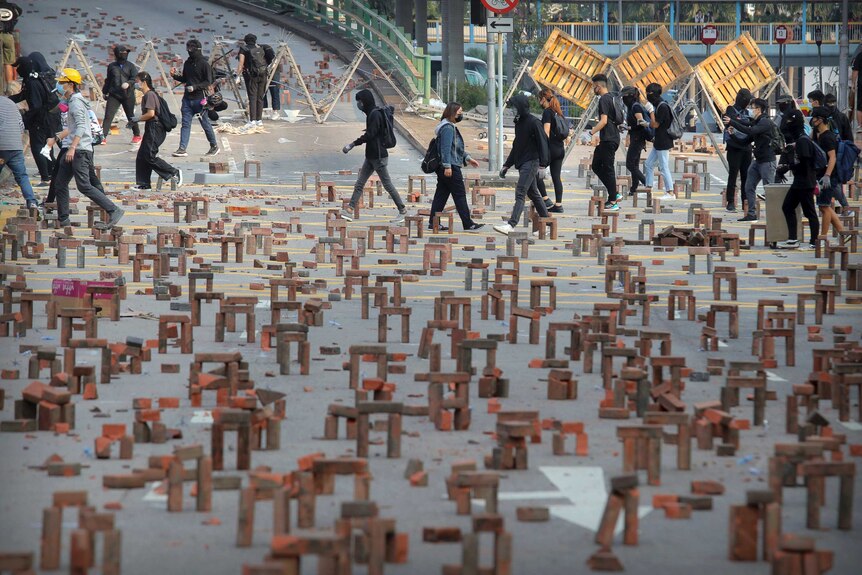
column 112, row 105
column 633, row 162
column 39, row 135
column 255, row 86
column 738, row 162
column 147, row 160
column 555, row 168
column 793, row 198
column 603, row 167
column 52, row 189
column 451, row 186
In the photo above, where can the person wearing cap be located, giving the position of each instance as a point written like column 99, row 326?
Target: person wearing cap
column 764, row 132
column 119, row 90
column 12, row 148
column 197, row 75
column 798, row 158
column 79, row 155
column 840, row 121
column 40, row 120
column 9, row 14
column 828, row 180
column 252, row 68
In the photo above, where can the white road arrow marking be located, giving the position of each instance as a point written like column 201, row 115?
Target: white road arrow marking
column 773, row 377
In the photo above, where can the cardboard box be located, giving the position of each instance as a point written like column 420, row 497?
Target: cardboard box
column 69, row 293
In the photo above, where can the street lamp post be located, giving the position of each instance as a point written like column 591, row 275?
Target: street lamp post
column 818, row 39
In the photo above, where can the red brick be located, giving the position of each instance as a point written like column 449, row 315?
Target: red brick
column 706, row 487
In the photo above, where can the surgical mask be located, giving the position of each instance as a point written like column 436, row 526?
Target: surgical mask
column 58, row 87
column 459, row 117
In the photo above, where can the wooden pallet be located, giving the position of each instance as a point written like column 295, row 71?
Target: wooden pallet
column 567, row 66
column 740, row 64
column 657, row 58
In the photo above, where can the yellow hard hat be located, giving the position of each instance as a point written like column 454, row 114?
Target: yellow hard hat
column 70, row 75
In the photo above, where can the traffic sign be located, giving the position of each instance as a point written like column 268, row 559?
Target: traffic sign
column 500, row 6
column 501, row 25
column 709, row 34
column 782, row 34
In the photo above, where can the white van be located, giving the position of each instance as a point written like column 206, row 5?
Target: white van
column 475, row 70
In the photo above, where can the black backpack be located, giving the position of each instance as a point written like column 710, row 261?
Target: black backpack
column 432, row 159
column 166, row 118
column 620, row 112
column 776, row 139
column 52, row 100
column 256, row 61
column 560, row 128
column 387, row 138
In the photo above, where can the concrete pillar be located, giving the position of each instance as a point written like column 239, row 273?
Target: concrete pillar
column 420, row 33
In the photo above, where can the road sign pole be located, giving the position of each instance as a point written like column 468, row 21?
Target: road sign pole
column 491, row 84
column 500, row 102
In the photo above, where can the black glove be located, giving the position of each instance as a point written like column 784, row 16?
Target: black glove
column 503, row 171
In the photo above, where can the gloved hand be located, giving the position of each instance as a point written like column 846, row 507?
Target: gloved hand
column 541, row 173
column 503, row 172
column 825, row 183
column 190, row 88
column 780, row 178
column 237, row 79
column 348, row 147
column 124, row 85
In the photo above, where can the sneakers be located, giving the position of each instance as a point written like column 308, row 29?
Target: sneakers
column 214, row 149
column 116, row 216
column 65, row 224
column 180, row 153
column 441, row 228
column 136, row 139
column 730, row 208
column 748, row 218
column 556, row 209
column 548, row 202
column 347, row 215
column 399, row 219
column 474, row 227
column 140, row 188
column 667, row 197
column 761, row 196
column 612, row 207
column 788, row 245
column 503, row 229
column 178, row 178
column 42, row 184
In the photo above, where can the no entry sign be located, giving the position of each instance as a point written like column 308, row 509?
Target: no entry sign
column 709, row 34
column 500, row 6
column 781, row 34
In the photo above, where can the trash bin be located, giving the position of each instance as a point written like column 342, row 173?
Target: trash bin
column 776, row 225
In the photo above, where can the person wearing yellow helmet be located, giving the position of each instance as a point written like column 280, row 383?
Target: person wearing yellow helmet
column 79, row 154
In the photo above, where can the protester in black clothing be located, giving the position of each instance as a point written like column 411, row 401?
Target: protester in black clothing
column 840, row 121
column 556, row 148
column 197, row 75
column 40, row 119
column 828, row 179
column 764, row 133
column 661, row 121
column 252, row 68
column 738, row 148
column 609, row 141
column 148, row 160
column 274, row 88
column 119, row 90
column 798, row 158
column 530, row 156
column 786, row 104
column 638, row 119
column 9, row 14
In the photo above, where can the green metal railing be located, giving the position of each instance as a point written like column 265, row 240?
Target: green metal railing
column 352, row 20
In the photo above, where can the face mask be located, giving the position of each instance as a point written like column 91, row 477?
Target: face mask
column 58, row 87
column 783, row 107
column 459, row 117
column 361, row 106
column 122, row 56
column 812, row 124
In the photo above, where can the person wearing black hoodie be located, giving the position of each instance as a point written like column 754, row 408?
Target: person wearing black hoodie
column 197, row 75
column 252, row 68
column 764, row 133
column 798, row 158
column 530, row 156
column 119, row 90
column 40, row 120
column 376, row 156
column 738, row 147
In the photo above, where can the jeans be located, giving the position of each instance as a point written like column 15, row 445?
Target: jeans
column 633, row 163
column 15, row 160
column 52, row 189
column 454, row 186
column 738, row 162
column 274, row 95
column 112, row 104
column 554, row 168
column 663, row 159
column 189, row 109
column 527, row 187
column 255, row 87
column 369, row 166
column 793, row 198
column 79, row 168
column 757, row 172
column 603, row 167
column 147, row 160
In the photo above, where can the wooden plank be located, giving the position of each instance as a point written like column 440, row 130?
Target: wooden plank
column 738, row 64
column 657, row 58
column 566, row 65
